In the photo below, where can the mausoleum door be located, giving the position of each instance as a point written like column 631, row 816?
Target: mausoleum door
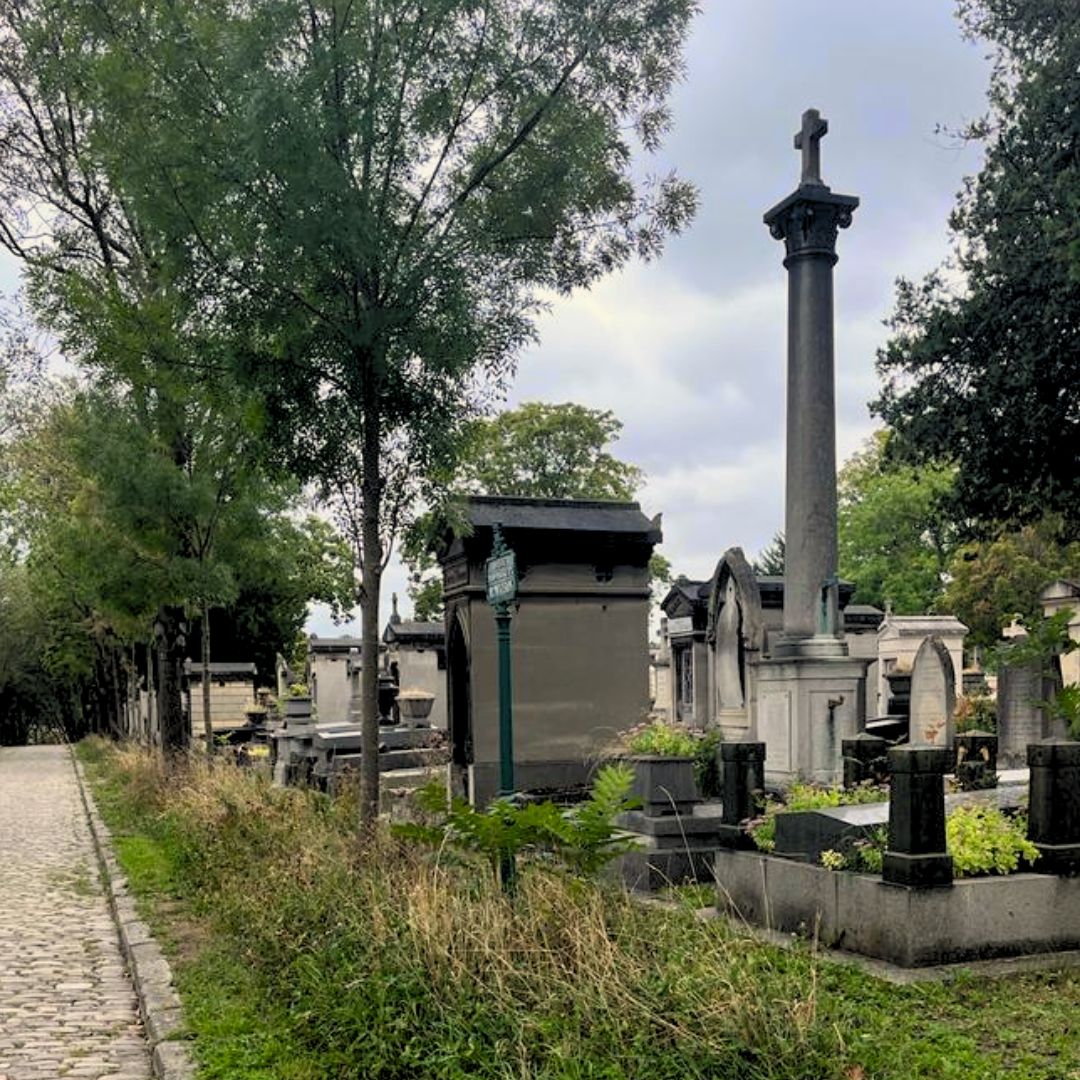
column 460, row 698
column 684, row 676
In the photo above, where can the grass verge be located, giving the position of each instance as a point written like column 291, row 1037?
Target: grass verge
column 300, row 953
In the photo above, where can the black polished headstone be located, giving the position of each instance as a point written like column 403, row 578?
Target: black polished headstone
column 865, row 760
column 976, row 760
column 742, row 767
column 917, row 855
column 1054, row 806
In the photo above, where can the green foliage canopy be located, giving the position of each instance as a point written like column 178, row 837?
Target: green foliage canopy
column 981, row 368
column 991, row 582
column 895, row 531
column 539, row 450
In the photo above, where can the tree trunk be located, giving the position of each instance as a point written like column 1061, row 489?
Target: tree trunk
column 170, row 679
column 371, row 574
column 117, row 723
column 208, row 726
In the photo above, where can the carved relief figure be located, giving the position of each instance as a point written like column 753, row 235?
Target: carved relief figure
column 730, row 687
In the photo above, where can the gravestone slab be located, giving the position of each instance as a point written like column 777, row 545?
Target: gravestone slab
column 933, row 696
column 1021, row 720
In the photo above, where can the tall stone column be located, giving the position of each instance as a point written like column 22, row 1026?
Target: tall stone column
column 811, row 695
column 808, row 221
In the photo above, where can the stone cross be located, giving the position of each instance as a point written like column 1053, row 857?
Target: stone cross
column 808, row 140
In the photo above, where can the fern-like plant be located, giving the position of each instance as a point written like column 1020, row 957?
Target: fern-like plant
column 581, row 838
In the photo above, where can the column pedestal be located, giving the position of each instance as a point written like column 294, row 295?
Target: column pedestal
column 806, row 707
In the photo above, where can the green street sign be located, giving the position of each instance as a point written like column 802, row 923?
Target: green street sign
column 502, row 580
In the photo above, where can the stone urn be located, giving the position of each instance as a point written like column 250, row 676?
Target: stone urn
column 665, row 785
column 415, row 706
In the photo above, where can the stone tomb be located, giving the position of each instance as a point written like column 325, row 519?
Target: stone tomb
column 329, row 671
column 579, row 638
column 232, row 696
column 416, row 659
column 697, row 641
column 901, row 636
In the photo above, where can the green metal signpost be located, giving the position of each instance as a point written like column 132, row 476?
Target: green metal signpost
column 502, row 584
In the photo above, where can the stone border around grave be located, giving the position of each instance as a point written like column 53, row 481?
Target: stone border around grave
column 159, row 1003
column 972, row 919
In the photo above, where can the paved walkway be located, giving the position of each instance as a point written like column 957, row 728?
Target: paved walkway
column 67, row 1007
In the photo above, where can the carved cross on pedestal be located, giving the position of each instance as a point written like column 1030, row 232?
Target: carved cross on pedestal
column 808, row 140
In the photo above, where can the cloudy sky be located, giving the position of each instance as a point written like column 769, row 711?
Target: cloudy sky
column 689, row 351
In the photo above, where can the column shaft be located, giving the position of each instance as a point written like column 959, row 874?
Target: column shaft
column 810, row 494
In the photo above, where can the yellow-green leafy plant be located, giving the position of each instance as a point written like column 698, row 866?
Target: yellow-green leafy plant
column 983, row 840
column 809, row 797
column 662, row 739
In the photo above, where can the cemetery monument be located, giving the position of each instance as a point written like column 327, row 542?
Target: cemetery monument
column 811, row 692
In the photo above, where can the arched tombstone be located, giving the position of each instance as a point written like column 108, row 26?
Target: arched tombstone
column 933, row 695
column 735, row 634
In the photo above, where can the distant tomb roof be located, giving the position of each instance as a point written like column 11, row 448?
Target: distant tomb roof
column 218, row 670
column 689, row 596
column 921, row 626
column 406, row 632
column 332, row 644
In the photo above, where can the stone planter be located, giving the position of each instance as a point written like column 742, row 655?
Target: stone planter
column 665, row 785
column 973, row 919
column 298, row 706
column 415, row 706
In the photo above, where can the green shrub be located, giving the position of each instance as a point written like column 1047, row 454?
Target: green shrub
column 707, row 765
column 983, row 840
column 662, row 739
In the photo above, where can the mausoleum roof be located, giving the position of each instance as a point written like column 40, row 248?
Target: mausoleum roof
column 576, row 515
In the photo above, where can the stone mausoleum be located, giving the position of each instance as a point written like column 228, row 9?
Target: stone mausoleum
column 580, row 647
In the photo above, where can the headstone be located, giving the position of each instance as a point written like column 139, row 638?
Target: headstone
column 743, row 782
column 865, row 760
column 976, row 760
column 1020, row 719
column 917, row 855
column 735, row 636
column 933, row 696
column 1054, row 807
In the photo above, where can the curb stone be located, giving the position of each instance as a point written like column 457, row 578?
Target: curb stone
column 159, row 1003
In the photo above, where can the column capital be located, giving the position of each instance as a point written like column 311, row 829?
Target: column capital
column 809, row 219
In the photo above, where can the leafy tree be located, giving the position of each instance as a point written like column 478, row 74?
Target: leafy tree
column 536, row 450
column 546, row 451
column 366, row 198
column 895, row 531
column 110, row 528
column 991, row 582
column 100, row 278
column 981, row 368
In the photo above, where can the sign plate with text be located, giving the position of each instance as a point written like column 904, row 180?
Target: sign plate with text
column 502, row 580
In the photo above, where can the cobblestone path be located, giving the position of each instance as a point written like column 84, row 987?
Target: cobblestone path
column 67, row 1007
